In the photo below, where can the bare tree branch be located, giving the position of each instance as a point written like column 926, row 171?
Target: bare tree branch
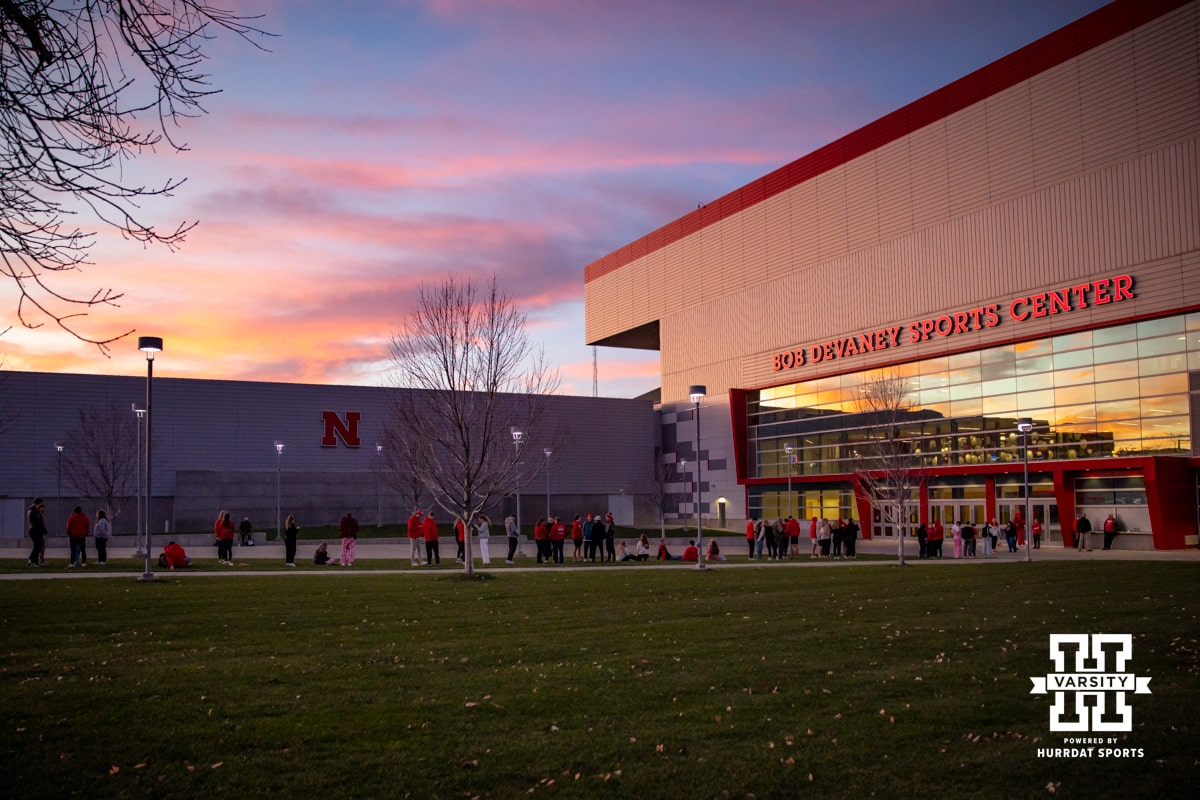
column 888, row 463
column 99, row 459
column 78, row 78
column 466, row 372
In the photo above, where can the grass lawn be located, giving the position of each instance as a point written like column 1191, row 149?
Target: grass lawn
column 775, row 682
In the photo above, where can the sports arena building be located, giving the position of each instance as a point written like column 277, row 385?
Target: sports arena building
column 1022, row 243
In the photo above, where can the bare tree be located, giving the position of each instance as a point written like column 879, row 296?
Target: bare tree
column 399, row 472
column 7, row 415
column 658, row 496
column 99, row 458
column 888, row 464
column 465, row 372
column 87, row 85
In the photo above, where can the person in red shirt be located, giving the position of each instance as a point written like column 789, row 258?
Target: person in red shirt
column 541, row 540
column 429, row 529
column 933, row 539
column 750, row 536
column 348, row 530
column 459, row 533
column 173, row 556
column 415, row 537
column 223, row 531
column 691, row 552
column 558, row 538
column 793, row 532
column 577, row 539
column 1036, row 530
column 78, row 526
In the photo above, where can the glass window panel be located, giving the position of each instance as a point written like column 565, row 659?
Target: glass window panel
column 935, row 366
column 963, row 361
column 1125, row 351
column 998, row 371
column 966, row 408
column 932, row 383
column 1077, row 358
column 965, row 392
column 1082, row 415
column 1029, row 366
column 1194, row 361
column 1027, row 401
column 1164, row 384
column 942, row 408
column 1160, row 426
column 1073, row 377
column 1159, row 327
column 1118, row 333
column 1072, row 341
column 1074, row 395
column 1113, row 410
column 1117, row 372
column 998, row 355
column 1002, row 386
column 1192, row 321
column 1038, row 347
column 1167, row 405
column 1162, row 345
column 1000, row 404
column 965, row 375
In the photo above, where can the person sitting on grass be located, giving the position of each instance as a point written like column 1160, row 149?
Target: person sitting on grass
column 690, row 553
column 664, row 554
column 623, row 553
column 714, row 551
column 321, row 555
column 173, row 556
column 642, row 551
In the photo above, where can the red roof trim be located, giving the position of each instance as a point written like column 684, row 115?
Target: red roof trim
column 1102, row 25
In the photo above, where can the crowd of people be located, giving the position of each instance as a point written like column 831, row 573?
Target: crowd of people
column 591, row 536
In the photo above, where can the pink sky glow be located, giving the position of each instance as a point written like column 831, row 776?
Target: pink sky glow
column 381, row 145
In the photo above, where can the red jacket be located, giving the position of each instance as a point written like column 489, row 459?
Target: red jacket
column 559, row 532
column 176, row 557
column 458, row 529
column 414, row 526
column 750, row 529
column 793, row 528
column 540, row 532
column 78, row 525
column 577, row 531
column 691, row 553
column 936, row 532
column 223, row 529
column 429, row 529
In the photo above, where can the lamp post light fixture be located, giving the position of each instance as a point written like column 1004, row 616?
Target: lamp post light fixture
column 517, row 434
column 787, row 448
column 378, row 486
column 549, row 453
column 149, row 345
column 696, row 394
column 1025, row 425
column 278, row 503
column 138, row 533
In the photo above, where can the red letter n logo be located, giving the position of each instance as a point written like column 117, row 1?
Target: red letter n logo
column 335, row 429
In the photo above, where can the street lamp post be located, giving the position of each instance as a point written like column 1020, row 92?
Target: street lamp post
column 149, row 345
column 787, row 448
column 278, row 500
column 137, row 537
column 378, row 485
column 58, row 494
column 696, row 394
column 549, row 452
column 517, row 433
column 1025, row 425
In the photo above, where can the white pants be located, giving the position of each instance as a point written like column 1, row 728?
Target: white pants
column 483, row 551
column 415, row 547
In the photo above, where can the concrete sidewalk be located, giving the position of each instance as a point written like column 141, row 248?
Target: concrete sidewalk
column 368, row 550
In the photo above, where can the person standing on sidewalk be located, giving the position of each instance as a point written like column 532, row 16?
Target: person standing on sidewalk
column 78, row 528
column 1083, row 527
column 36, row 517
column 290, row 532
column 348, row 530
column 513, row 534
column 484, row 535
column 101, row 532
column 415, row 537
column 223, row 532
column 429, row 529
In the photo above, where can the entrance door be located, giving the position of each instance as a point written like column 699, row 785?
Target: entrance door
column 1040, row 508
column 951, row 511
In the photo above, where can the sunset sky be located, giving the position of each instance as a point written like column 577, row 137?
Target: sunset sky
column 382, row 144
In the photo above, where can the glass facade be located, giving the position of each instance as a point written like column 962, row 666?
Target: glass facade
column 1109, row 392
